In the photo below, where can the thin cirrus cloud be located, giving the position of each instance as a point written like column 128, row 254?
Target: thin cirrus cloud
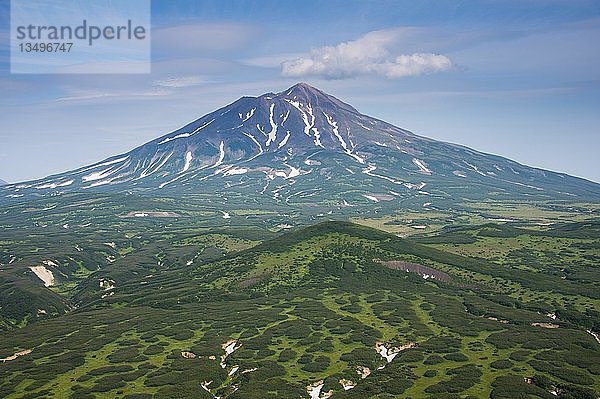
column 202, row 38
column 375, row 53
column 180, row 81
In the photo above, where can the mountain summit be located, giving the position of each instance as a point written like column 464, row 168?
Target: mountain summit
column 302, row 145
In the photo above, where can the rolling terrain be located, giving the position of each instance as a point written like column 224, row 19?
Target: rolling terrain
column 327, row 309
column 288, row 246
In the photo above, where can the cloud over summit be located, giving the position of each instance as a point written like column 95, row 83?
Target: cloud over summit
column 375, row 53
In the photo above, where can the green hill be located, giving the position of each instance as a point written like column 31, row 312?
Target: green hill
column 319, row 307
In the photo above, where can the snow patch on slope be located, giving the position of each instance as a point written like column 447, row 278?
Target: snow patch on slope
column 251, row 137
column 184, row 135
column 188, row 161
column 55, row 185
column 221, row 154
column 422, row 166
column 248, row 115
column 285, row 140
column 273, row 132
column 150, row 170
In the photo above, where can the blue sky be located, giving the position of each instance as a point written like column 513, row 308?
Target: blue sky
column 514, row 78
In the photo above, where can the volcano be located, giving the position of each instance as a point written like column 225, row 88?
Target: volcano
column 302, row 145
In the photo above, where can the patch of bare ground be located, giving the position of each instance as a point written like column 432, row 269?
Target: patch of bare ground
column 424, row 271
column 545, row 325
column 249, row 282
column 16, row 355
column 151, row 214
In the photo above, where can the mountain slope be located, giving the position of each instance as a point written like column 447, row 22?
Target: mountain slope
column 2, row 182
column 301, row 146
column 333, row 307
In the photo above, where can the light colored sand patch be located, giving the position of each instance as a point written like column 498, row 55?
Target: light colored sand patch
column 459, row 173
column 226, row 215
column 545, row 325
column 233, row 370
column 372, row 198
column 111, row 244
column 43, row 274
column 419, row 227
column 363, row 371
column 347, row 384
column 188, row 355
column 249, row 370
column 16, row 355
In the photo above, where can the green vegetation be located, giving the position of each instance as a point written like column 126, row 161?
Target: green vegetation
column 145, row 308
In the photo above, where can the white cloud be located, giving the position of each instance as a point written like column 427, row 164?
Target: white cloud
column 202, row 39
column 181, row 81
column 270, row 61
column 374, row 53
